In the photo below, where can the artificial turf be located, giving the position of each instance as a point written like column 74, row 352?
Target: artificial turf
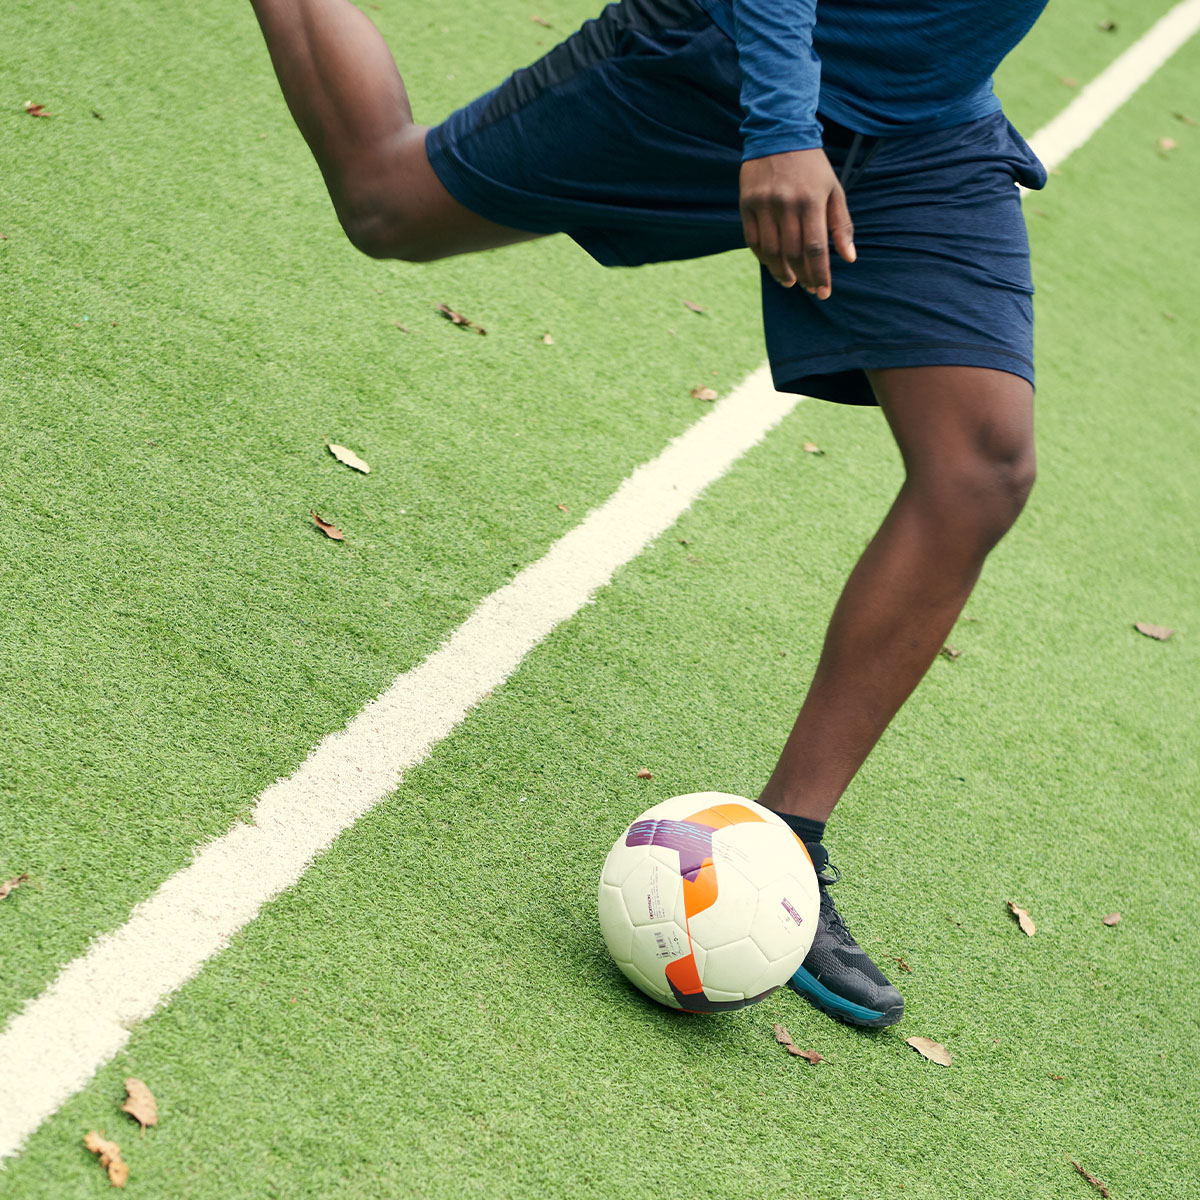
column 429, row 1012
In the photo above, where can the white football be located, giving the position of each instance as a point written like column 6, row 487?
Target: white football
column 708, row 902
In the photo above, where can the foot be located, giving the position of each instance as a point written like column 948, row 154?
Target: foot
column 837, row 976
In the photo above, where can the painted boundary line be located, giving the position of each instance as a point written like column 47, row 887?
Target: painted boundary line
column 52, row 1048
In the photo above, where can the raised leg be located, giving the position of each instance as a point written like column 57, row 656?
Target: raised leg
column 342, row 87
column 966, row 437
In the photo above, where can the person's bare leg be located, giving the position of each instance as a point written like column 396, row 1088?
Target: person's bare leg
column 342, row 87
column 966, row 437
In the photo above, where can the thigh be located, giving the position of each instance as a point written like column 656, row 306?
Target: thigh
column 626, row 137
column 435, row 224
column 951, row 418
column 942, row 275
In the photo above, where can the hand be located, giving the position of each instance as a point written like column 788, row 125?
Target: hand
column 791, row 205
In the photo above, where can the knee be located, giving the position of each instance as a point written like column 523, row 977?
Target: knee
column 981, row 494
column 993, row 487
column 380, row 232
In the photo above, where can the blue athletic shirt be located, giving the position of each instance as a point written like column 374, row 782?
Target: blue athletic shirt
column 874, row 66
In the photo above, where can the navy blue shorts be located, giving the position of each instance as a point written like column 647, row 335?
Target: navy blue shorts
column 626, row 138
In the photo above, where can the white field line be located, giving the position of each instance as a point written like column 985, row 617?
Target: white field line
column 1099, row 99
column 61, row 1038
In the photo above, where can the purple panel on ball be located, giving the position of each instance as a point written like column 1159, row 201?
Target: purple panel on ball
column 692, row 840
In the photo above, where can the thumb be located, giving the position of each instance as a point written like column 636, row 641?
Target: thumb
column 841, row 227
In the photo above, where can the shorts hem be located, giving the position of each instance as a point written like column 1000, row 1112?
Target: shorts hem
column 459, row 180
column 840, row 375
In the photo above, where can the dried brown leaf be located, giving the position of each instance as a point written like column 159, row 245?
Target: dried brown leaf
column 1068, row 81
column 140, row 1105
column 1166, row 145
column 928, row 1048
column 330, row 531
column 541, row 21
column 110, row 1157
column 562, row 508
column 1112, row 919
column 1023, row 919
column 809, row 1055
column 782, row 1036
column 644, row 774
column 402, row 328
column 812, row 448
column 1159, row 633
column 343, row 455
column 11, row 885
column 696, row 308
column 950, row 652
column 547, row 340
column 36, row 110
column 1107, row 26
column 703, row 393
column 1185, row 118
column 458, row 319
column 1091, row 1179
column 900, row 963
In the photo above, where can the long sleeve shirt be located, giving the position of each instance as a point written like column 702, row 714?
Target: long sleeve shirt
column 874, row 66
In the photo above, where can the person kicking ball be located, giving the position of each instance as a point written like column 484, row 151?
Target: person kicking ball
column 860, row 153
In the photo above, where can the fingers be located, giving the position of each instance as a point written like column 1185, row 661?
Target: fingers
column 816, row 252
column 792, row 206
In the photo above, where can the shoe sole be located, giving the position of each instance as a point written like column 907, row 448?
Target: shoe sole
column 833, row 1005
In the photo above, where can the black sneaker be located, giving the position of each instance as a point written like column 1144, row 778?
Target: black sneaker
column 837, row 976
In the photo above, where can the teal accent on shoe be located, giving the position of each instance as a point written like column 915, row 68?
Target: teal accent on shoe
column 802, row 981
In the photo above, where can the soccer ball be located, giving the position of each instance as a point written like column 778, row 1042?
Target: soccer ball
column 708, row 902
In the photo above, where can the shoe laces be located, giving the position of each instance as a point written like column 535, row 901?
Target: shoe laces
column 828, row 876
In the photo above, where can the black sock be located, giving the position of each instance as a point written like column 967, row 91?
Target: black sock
column 810, row 832
column 806, row 829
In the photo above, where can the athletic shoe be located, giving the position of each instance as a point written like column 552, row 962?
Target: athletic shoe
column 837, row 976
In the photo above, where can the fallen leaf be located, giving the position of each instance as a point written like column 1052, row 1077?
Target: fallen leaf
column 401, row 327
column 1059, row 1078
column 1159, row 633
column 1090, row 1178
column 782, row 1036
column 1112, row 919
column 1023, row 919
column 348, row 457
column 644, row 774
column 10, row 885
column 696, row 308
column 900, row 963
column 703, row 393
column 1068, row 81
column 810, row 1055
column 330, row 531
column 547, row 340
column 1107, row 26
column 562, row 508
column 812, row 448
column 110, row 1158
column 1166, row 144
column 928, row 1048
column 98, row 115
column 1185, row 118
column 140, row 1104
column 458, row 319
column 948, row 651
column 541, row 21
column 35, row 110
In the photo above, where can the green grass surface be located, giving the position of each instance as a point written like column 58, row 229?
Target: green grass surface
column 430, row 1012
